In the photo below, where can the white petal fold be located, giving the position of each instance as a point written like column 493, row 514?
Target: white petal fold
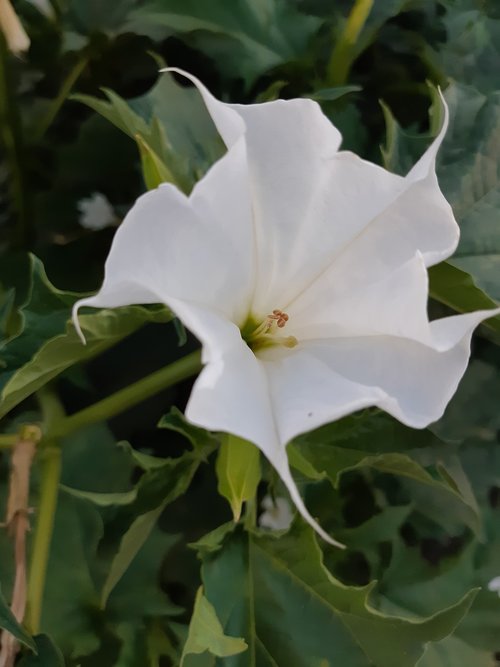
column 395, row 305
column 318, row 210
column 325, row 379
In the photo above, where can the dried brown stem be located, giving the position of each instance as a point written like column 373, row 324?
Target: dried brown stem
column 17, row 524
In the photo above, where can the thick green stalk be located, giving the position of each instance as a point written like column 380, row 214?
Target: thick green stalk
column 49, row 453
column 344, row 52
column 129, row 396
column 8, row 440
column 50, row 457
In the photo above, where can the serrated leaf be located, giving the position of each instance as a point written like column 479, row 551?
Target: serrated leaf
column 48, row 343
column 247, row 38
column 159, row 486
column 423, row 463
column 238, row 472
column 199, row 438
column 172, row 122
column 8, row 622
column 206, row 633
column 296, row 613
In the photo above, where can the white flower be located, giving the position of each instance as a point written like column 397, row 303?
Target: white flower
column 278, row 514
column 15, row 35
column 302, row 271
column 95, row 212
column 494, row 585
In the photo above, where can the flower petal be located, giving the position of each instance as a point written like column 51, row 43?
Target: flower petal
column 308, row 392
column 412, row 381
column 314, row 205
column 232, row 394
column 198, row 249
column 395, row 305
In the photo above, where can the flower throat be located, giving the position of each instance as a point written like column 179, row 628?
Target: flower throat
column 267, row 333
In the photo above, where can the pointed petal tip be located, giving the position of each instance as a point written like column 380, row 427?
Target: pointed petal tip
column 76, row 321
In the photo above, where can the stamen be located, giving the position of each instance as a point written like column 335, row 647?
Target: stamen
column 264, row 334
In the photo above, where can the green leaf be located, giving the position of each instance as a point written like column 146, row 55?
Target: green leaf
column 471, row 51
column 47, row 654
column 238, row 472
column 154, row 170
column 403, row 148
column 70, row 595
column 452, row 651
column 206, row 633
column 8, row 622
column 457, row 289
column 137, row 595
column 171, row 124
column 423, row 463
column 158, row 486
column 246, row 38
column 130, row 545
column 469, row 175
column 332, row 94
column 48, row 343
column 295, row 613
column 91, row 16
column 200, row 438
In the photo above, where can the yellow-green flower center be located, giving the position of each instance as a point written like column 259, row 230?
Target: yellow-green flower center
column 267, row 332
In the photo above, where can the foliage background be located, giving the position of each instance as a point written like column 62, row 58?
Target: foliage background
column 418, row 510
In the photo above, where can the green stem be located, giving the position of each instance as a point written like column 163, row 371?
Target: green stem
column 11, row 139
column 58, row 101
column 130, row 396
column 344, row 53
column 50, row 475
column 8, row 440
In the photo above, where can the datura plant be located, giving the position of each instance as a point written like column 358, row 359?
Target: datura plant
column 302, row 269
column 249, row 333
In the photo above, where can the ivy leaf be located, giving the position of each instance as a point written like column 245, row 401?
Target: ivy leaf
column 206, row 633
column 296, row 613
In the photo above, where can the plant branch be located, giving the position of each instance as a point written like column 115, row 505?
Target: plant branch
column 129, row 396
column 344, row 53
column 56, row 104
column 50, row 457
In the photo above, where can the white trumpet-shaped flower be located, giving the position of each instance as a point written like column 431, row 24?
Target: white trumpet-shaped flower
column 302, row 270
